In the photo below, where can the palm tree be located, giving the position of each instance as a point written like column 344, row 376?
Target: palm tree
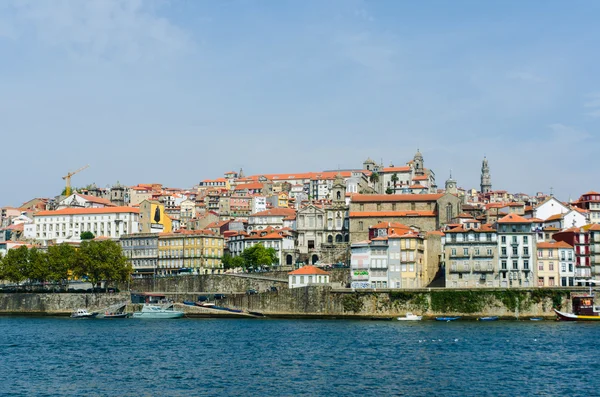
column 395, row 180
column 374, row 178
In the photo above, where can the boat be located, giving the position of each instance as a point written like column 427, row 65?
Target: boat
column 156, row 312
column 410, row 317
column 488, row 318
column 115, row 315
column 583, row 309
column 446, row 318
column 83, row 313
column 536, row 319
column 189, row 303
column 203, row 304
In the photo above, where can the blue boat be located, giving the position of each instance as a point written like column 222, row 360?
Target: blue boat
column 489, row 318
column 189, row 303
column 446, row 318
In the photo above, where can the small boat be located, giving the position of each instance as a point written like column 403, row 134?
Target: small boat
column 115, row 315
column 489, row 318
column 204, row 304
column 83, row 313
column 158, row 312
column 446, row 318
column 189, row 303
column 536, row 319
column 583, row 308
column 410, row 317
column 575, row 317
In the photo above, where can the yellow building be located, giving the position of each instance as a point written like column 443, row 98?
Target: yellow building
column 196, row 251
column 153, row 218
column 554, row 264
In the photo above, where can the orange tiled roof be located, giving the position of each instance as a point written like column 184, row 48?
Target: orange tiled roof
column 285, row 212
column 376, row 214
column 559, row 244
column 309, row 270
column 514, row 218
column 91, row 211
column 396, row 169
column 369, row 198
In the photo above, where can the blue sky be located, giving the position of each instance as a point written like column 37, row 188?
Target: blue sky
column 176, row 92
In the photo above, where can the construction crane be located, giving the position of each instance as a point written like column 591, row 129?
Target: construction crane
column 68, row 179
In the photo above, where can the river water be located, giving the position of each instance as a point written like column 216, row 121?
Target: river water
column 251, row 357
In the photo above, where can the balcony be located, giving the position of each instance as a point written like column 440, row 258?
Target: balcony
column 483, row 269
column 460, row 269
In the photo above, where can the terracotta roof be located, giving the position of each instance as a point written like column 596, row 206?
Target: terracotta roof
column 380, row 238
column 309, row 270
column 396, row 169
column 554, row 218
column 595, row 227
column 91, row 211
column 554, row 244
column 514, row 218
column 420, row 178
column 436, row 233
column 376, row 214
column 368, row 198
column 385, row 225
column 250, row 186
column 285, row 212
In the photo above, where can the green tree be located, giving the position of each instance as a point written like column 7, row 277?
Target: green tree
column 101, row 260
column 389, row 190
column 257, row 256
column 374, row 178
column 87, row 235
column 37, row 268
column 395, row 179
column 14, row 265
column 61, row 261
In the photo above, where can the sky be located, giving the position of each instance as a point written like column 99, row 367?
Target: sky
column 175, row 92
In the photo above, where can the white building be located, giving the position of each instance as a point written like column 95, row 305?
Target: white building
column 274, row 217
column 77, row 200
column 67, row 224
column 259, row 204
column 308, row 276
column 516, row 244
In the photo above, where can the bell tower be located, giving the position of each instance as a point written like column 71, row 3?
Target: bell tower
column 418, row 163
column 486, row 178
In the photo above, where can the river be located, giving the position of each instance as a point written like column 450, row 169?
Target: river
column 52, row 356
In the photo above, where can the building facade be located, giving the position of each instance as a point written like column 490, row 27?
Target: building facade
column 516, row 245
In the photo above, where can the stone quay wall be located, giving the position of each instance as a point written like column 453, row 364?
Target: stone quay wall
column 58, row 303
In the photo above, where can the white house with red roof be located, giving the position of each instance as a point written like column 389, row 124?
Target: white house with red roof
column 277, row 218
column 67, row 224
column 77, row 200
column 308, row 276
column 516, row 245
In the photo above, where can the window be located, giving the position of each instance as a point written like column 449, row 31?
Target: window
column 525, row 240
column 465, row 251
column 563, row 267
column 541, row 266
column 551, row 266
column 540, row 254
column 503, row 264
column 503, row 239
column 551, row 281
column 515, row 251
column 525, row 264
column 360, row 225
column 515, row 265
column 503, row 251
column 540, row 281
column 525, row 250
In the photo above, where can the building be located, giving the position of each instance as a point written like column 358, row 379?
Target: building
column 471, row 253
column 199, row 251
column 153, row 218
column 282, row 241
column 486, row 178
column 425, row 212
column 583, row 245
column 77, row 200
column 411, row 178
column 141, row 249
column 555, row 264
column 516, row 242
column 397, row 258
column 590, row 201
column 68, row 224
column 275, row 218
column 308, row 276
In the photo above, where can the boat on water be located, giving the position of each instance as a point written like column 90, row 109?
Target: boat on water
column 189, row 303
column 83, row 313
column 446, row 318
column 158, row 312
column 109, row 315
column 536, row 319
column 488, row 318
column 583, row 308
column 410, row 317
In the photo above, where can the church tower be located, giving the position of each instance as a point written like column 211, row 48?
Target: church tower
column 486, row 178
column 451, row 185
column 338, row 191
column 418, row 163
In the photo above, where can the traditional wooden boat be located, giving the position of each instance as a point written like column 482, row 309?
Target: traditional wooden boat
column 583, row 309
column 446, row 318
column 115, row 315
column 488, row 318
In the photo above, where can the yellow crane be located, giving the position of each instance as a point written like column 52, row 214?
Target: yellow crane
column 68, row 179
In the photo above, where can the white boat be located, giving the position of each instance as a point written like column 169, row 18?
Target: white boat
column 83, row 313
column 410, row 317
column 155, row 311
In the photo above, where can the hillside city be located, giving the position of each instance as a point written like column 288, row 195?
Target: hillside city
column 393, row 226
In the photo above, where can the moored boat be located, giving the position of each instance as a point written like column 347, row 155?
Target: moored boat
column 583, row 309
column 446, row 318
column 83, row 313
column 488, row 318
column 158, row 312
column 410, row 317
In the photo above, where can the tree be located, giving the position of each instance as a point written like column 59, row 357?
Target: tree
column 14, row 265
column 232, row 262
column 389, row 190
column 87, row 235
column 102, row 260
column 37, row 266
column 61, row 261
column 395, row 179
column 374, row 178
column 257, row 256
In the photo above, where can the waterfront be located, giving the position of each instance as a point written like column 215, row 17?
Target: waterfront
column 62, row 356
